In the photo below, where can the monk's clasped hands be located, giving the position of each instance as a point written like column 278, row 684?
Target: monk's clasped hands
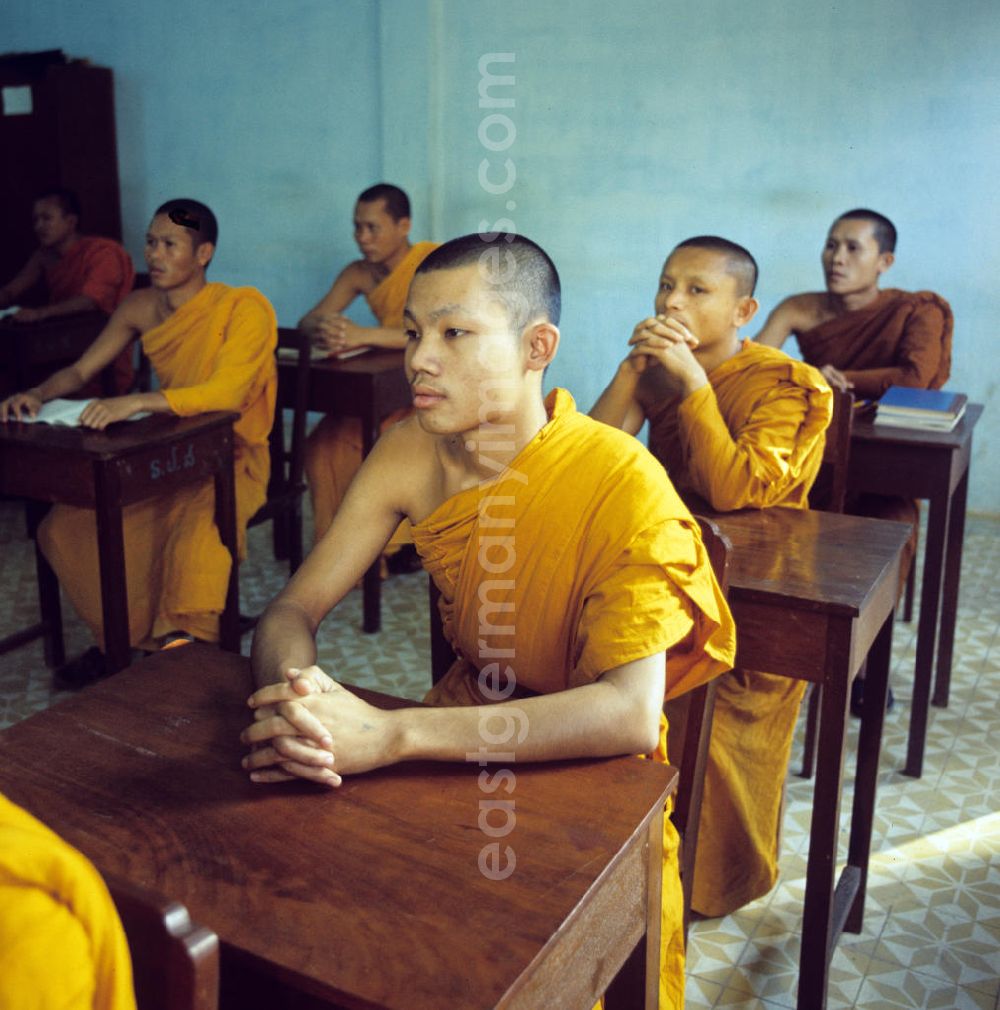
column 666, row 341
column 312, row 728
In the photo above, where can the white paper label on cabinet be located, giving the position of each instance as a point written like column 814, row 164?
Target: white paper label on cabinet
column 17, row 101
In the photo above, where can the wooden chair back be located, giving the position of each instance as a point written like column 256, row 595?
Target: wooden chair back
column 829, row 493
column 697, row 731
column 175, row 963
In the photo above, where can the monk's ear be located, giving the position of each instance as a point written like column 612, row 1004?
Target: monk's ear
column 203, row 253
column 542, row 344
column 404, row 226
column 885, row 260
column 746, row 309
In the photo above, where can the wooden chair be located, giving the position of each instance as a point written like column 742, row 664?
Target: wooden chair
column 696, row 734
column 828, row 494
column 175, row 963
column 286, row 486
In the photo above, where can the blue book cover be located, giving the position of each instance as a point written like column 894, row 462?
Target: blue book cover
column 907, row 400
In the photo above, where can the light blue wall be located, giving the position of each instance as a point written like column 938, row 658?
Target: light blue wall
column 637, row 124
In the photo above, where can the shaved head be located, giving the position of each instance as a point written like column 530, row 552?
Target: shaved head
column 883, row 229
column 517, row 270
column 739, row 263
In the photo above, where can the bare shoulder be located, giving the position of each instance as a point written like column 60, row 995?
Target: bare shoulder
column 409, row 461
column 804, row 311
column 140, row 310
column 363, row 276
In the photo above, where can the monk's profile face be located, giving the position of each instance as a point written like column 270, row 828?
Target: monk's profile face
column 466, row 364
column 699, row 291
column 852, row 262
column 53, row 226
column 381, row 239
column 172, row 255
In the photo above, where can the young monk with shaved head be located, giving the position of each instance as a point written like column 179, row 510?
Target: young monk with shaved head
column 601, row 597
column 739, row 426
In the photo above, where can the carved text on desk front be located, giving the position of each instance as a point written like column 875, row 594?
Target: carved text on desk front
column 174, row 461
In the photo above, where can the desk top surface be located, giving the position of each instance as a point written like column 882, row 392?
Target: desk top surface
column 372, row 362
column 372, row 892
column 118, row 440
column 814, row 560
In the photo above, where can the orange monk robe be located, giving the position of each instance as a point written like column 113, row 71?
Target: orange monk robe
column 334, row 447
column 752, row 438
column 62, row 946
column 102, row 270
column 901, row 339
column 578, row 558
column 216, row 352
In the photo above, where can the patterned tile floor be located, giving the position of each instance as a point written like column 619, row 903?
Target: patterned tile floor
column 931, row 937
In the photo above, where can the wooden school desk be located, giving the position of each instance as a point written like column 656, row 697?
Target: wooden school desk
column 129, row 462
column 813, row 594
column 367, row 896
column 370, row 387
column 932, row 465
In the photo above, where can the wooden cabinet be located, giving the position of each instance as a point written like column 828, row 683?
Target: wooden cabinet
column 57, row 128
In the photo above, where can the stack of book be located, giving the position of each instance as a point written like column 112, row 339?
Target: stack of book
column 924, row 409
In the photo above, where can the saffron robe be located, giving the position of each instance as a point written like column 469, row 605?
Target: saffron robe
column 578, row 558
column 62, row 946
column 752, row 438
column 216, row 352
column 901, row 339
column 102, row 270
column 334, row 446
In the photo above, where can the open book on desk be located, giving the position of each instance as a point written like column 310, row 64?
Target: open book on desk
column 67, row 412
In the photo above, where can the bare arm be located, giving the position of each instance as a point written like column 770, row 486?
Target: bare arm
column 325, row 325
column 618, row 405
column 347, row 286
column 780, row 325
column 371, row 511
column 25, row 279
column 313, row 728
column 123, row 327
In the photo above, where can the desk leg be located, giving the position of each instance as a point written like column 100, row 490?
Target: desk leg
column 930, row 598
column 818, row 912
column 111, row 554
column 949, row 591
column 225, row 520
column 866, row 778
column 637, row 984
column 372, row 581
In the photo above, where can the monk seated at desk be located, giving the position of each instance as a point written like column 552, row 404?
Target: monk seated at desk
column 740, row 426
column 80, row 273
column 866, row 340
column 382, row 276
column 212, row 347
column 568, row 567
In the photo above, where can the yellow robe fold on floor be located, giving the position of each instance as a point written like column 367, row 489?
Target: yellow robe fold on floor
column 216, row 352
column 752, row 438
column 62, row 946
column 334, row 446
column 578, row 558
